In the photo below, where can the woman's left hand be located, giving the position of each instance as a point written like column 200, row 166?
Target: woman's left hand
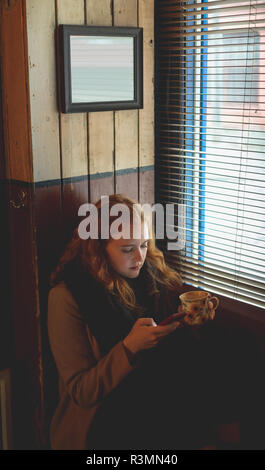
column 211, row 311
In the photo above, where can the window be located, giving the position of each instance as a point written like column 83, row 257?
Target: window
column 235, row 68
column 211, row 140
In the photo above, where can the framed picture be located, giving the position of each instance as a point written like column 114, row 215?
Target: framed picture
column 100, row 68
column 5, row 411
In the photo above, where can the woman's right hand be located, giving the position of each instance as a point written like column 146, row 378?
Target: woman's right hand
column 146, row 334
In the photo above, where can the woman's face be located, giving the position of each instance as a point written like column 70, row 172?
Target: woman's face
column 127, row 256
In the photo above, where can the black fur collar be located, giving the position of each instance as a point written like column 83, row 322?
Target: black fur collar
column 108, row 318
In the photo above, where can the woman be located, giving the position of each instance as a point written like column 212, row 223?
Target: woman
column 124, row 380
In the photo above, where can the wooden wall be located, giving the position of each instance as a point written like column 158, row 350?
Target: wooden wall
column 51, row 164
column 116, row 149
column 79, row 157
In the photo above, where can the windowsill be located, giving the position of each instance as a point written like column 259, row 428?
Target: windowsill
column 237, row 307
column 238, row 313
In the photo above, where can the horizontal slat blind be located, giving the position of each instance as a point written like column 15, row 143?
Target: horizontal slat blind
column 210, row 125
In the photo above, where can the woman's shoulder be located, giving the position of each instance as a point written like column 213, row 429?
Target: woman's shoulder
column 60, row 290
column 60, row 299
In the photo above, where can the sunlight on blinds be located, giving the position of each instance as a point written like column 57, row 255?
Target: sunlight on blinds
column 211, row 140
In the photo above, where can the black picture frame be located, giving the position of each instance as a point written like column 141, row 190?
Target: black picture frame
column 67, row 35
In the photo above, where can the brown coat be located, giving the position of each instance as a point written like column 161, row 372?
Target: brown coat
column 85, row 377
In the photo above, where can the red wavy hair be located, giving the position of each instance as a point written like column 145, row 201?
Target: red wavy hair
column 92, row 256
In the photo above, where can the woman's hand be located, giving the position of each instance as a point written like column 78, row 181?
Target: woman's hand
column 211, row 312
column 146, row 334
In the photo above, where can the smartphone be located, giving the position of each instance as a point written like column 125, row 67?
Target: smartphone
column 171, row 318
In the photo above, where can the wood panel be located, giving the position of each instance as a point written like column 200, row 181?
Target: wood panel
column 126, row 139
column 41, row 22
column 42, row 74
column 99, row 13
column 73, row 127
column 75, row 193
column 6, row 314
column 15, row 93
column 100, row 124
column 50, row 244
column 27, row 333
column 101, row 186
column 73, row 138
column 127, row 183
column 146, row 115
column 147, row 186
column 126, row 122
column 125, row 12
column 101, row 142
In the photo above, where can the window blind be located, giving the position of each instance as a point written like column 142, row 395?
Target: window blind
column 210, row 140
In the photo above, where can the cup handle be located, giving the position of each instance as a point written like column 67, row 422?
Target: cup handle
column 211, row 299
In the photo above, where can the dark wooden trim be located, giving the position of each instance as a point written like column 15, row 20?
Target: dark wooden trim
column 15, row 90
column 6, row 313
column 25, row 361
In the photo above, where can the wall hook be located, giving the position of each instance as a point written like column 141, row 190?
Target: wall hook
column 20, row 202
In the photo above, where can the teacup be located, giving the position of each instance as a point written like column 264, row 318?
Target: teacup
column 195, row 304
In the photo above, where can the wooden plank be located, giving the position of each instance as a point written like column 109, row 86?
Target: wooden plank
column 101, row 142
column 26, row 317
column 41, row 22
column 73, row 127
column 126, row 139
column 127, row 183
column 70, row 12
column 101, row 187
column 126, row 122
column 50, row 234
column 6, row 320
column 146, row 115
column 99, row 13
column 73, row 131
column 16, row 130
column 100, row 124
column 147, row 187
column 42, row 76
column 125, row 12
column 75, row 193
